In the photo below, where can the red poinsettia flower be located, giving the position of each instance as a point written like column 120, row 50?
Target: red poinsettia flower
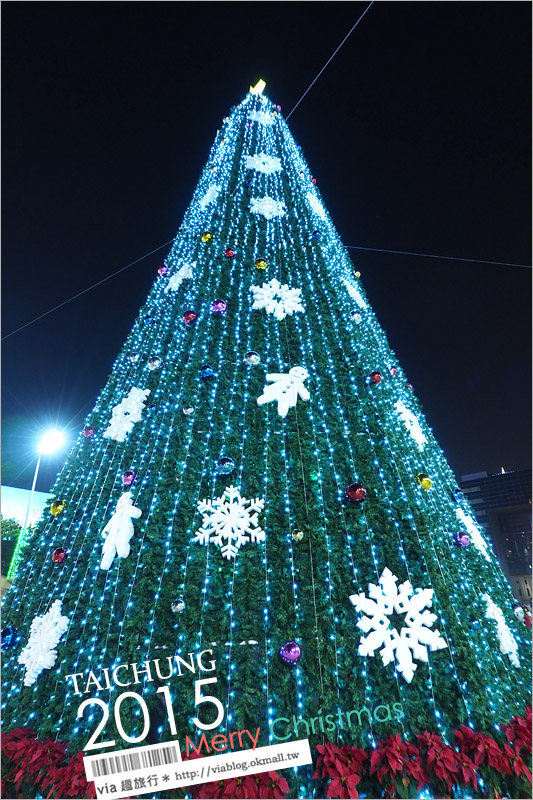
column 518, row 733
column 342, row 784
column 517, row 765
column 440, row 759
column 272, row 785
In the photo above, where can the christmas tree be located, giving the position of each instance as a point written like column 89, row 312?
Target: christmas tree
column 257, row 480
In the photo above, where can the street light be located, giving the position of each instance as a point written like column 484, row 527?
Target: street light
column 52, row 441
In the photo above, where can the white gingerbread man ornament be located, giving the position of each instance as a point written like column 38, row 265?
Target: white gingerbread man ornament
column 285, row 389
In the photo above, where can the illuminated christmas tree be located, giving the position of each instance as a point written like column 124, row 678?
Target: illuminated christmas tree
column 257, row 479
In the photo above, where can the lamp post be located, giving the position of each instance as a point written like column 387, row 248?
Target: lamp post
column 51, row 442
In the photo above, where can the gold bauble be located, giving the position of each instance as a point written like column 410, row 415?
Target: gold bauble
column 57, row 507
column 297, row 536
column 357, row 274
column 207, row 236
column 261, row 263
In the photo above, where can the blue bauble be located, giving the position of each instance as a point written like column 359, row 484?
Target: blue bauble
column 9, row 638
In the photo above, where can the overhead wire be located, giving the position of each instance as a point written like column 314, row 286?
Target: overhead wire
column 329, row 60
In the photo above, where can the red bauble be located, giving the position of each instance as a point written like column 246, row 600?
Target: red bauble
column 375, row 377
column 163, row 271
column 230, row 253
column 393, row 371
column 313, row 180
column 189, row 317
column 409, row 386
column 59, row 555
column 88, row 431
column 355, row 493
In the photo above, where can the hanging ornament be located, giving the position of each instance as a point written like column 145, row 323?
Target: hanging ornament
column 57, row 507
column 473, row 624
column 230, row 253
column 277, row 107
column 393, row 371
column 316, row 235
column 297, row 536
column 461, row 539
column 424, row 481
column 9, row 637
column 207, row 235
column 134, row 358
column 163, row 271
column 148, row 319
column 128, row 478
column 177, row 606
column 375, row 377
column 252, row 358
column 207, row 371
column 88, row 431
column 291, row 653
column 355, row 493
column 457, row 495
column 59, row 555
column 225, row 466
column 154, row 363
column 313, row 180
column 357, row 318
column 249, row 182
column 218, row 307
column 189, row 317
column 357, row 274
column 119, row 530
column 152, row 408
column 409, row 386
column 260, row 263
column 188, row 410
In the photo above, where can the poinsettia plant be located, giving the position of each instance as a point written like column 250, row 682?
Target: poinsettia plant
column 398, row 768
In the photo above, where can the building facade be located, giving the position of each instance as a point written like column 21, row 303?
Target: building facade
column 502, row 504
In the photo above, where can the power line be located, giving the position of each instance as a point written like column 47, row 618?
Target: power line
column 88, row 289
column 330, row 59
column 432, row 255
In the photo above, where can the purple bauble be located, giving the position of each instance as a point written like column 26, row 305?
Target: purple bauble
column 128, row 478
column 291, row 652
column 219, row 306
column 461, row 539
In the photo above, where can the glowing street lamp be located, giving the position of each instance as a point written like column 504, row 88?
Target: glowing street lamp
column 49, row 443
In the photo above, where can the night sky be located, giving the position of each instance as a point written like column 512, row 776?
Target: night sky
column 418, row 133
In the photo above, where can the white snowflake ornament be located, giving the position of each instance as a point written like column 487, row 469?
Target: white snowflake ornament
column 268, row 207
column 229, row 519
column 285, row 389
column 263, row 117
column 45, row 633
column 264, row 163
column 183, row 274
column 126, row 413
column 415, row 636
column 277, row 299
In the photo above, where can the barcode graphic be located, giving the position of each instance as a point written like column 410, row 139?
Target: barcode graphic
column 128, row 762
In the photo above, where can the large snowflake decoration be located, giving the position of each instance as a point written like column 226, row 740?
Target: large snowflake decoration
column 211, row 194
column 263, row 117
column 411, row 423
column 267, row 206
column 508, row 644
column 277, row 299
column 415, row 636
column 45, row 633
column 183, row 274
column 126, row 413
column 264, row 163
column 229, row 518
column 473, row 531
column 354, row 293
column 316, row 205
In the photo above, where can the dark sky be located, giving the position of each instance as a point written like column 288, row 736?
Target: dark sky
column 418, row 133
